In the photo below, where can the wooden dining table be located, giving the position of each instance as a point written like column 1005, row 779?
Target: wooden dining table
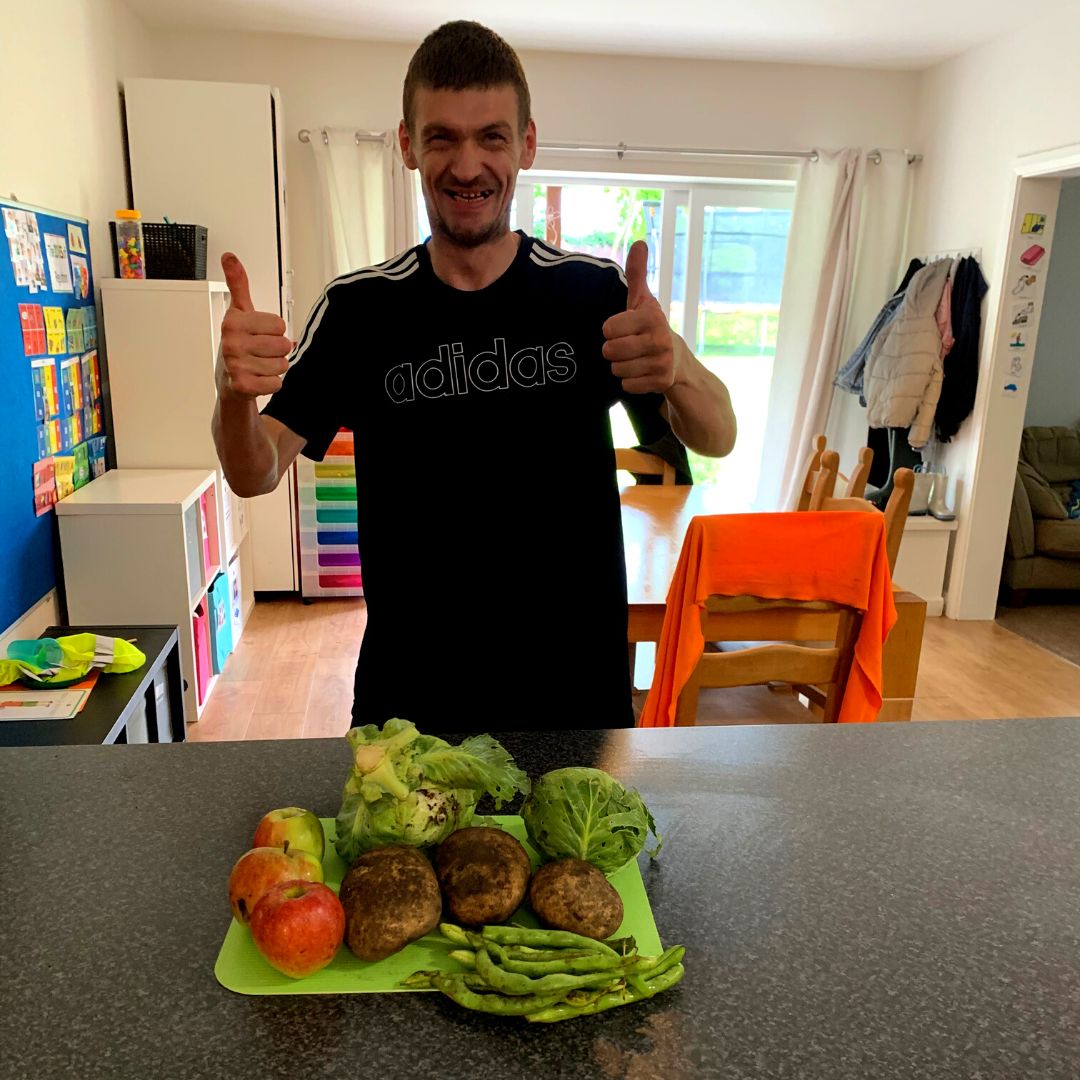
column 655, row 518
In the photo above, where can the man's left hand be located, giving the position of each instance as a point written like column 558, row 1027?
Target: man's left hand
column 639, row 341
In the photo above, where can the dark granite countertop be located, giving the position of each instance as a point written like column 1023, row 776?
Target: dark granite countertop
column 895, row 900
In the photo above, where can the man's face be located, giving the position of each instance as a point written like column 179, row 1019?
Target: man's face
column 468, row 150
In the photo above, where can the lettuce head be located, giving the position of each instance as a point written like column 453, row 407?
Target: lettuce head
column 587, row 814
column 414, row 789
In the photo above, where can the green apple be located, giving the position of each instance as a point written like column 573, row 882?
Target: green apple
column 300, row 829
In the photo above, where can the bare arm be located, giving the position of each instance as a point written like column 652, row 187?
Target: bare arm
column 698, row 405
column 255, row 451
column 648, row 358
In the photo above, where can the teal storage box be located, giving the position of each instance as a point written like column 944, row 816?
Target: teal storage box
column 220, row 622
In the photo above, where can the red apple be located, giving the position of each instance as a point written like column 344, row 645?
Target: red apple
column 262, row 867
column 298, row 926
column 292, row 825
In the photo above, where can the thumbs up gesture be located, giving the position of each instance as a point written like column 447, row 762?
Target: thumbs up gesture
column 253, row 343
column 639, row 341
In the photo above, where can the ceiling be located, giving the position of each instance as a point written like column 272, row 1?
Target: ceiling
column 909, row 34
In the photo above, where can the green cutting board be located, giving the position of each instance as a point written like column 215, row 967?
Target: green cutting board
column 241, row 967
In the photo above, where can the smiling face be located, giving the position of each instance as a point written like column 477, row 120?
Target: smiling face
column 468, row 149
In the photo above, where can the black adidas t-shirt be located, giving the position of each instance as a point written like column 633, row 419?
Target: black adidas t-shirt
column 489, row 526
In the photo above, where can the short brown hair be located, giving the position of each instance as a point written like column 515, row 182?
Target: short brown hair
column 464, row 55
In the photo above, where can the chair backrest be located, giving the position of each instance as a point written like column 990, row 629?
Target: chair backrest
column 786, row 625
column 817, row 448
column 637, row 461
column 896, row 509
column 856, row 487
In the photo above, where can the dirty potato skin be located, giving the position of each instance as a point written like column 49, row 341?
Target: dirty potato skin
column 571, row 894
column 483, row 873
column 390, row 897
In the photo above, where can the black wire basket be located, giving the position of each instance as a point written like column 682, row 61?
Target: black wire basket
column 176, row 252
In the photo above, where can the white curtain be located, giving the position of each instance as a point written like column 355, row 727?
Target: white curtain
column 367, row 200
column 844, row 249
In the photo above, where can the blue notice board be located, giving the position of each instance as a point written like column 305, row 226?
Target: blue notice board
column 50, row 410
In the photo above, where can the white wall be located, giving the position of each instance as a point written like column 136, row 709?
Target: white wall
column 1055, row 378
column 977, row 114
column 62, row 145
column 575, row 97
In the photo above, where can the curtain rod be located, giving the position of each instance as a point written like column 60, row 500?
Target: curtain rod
column 304, row 135
column 621, row 149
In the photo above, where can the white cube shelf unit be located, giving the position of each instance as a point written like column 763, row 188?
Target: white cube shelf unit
column 143, row 546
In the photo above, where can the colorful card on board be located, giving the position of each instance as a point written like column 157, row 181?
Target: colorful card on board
column 1033, row 224
column 96, row 453
column 24, row 248
column 81, row 474
column 75, row 331
column 80, row 277
column 55, row 331
column 97, row 419
column 44, row 486
column 46, row 397
column 59, row 268
column 49, row 438
column 71, row 395
column 90, row 326
column 95, row 375
column 32, row 323
column 65, row 473
column 76, row 239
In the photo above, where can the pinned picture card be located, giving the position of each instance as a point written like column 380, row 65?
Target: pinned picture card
column 32, row 323
column 44, row 486
column 59, row 268
column 76, row 238
column 46, row 394
column 65, row 474
column 55, row 330
column 80, row 476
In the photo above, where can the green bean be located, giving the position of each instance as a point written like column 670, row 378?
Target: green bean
column 651, row 966
column 513, row 935
column 518, row 985
column 580, row 963
column 626, row 996
column 524, row 952
column 463, row 956
column 453, row 933
column 456, row 988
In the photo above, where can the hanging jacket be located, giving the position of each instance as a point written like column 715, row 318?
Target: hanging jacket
column 850, row 376
column 903, row 373
column 962, row 365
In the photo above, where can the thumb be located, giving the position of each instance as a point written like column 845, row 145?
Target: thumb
column 237, row 280
column 637, row 266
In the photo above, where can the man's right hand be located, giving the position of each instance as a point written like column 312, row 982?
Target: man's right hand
column 253, row 343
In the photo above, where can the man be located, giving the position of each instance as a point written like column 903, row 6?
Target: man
column 476, row 372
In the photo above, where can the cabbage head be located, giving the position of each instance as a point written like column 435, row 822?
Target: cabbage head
column 414, row 789
column 587, row 814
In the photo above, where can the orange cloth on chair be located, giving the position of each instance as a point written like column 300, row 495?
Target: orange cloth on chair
column 838, row 556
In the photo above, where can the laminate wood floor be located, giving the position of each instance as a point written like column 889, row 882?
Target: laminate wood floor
column 292, row 677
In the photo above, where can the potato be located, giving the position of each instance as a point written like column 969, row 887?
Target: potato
column 483, row 874
column 390, row 897
column 571, row 894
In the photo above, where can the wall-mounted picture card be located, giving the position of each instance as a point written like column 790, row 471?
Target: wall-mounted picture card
column 90, row 327
column 1032, row 255
column 1033, row 224
column 96, row 451
column 81, row 474
column 1025, row 285
column 24, row 249
column 80, row 277
column 91, row 361
column 46, row 395
column 65, row 471
column 1023, row 314
column 32, row 321
column 76, row 239
column 49, row 438
column 1018, row 340
column 44, row 486
column 71, row 386
column 59, row 268
column 97, row 419
column 55, row 330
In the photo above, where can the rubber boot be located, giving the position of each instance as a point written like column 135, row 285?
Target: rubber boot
column 901, row 456
column 938, row 506
column 920, row 494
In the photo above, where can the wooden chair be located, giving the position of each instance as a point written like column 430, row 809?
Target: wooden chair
column 896, row 510
column 817, row 448
column 856, row 485
column 637, row 461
